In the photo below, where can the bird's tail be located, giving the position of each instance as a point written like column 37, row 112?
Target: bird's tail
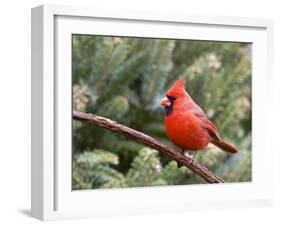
column 224, row 146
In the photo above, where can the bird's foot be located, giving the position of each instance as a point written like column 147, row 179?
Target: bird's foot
column 191, row 162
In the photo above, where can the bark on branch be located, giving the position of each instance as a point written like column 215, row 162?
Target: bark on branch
column 113, row 126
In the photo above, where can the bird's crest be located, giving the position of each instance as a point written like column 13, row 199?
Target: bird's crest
column 177, row 89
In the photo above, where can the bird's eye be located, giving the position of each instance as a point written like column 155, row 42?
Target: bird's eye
column 172, row 99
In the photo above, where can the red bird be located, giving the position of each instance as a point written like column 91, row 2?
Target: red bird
column 186, row 124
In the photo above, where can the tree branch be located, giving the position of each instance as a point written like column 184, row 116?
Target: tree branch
column 113, row 126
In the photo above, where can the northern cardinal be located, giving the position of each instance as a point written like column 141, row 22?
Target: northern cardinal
column 186, row 124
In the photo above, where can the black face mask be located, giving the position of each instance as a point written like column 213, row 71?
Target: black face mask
column 169, row 109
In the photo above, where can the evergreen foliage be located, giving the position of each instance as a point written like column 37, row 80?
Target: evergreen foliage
column 125, row 78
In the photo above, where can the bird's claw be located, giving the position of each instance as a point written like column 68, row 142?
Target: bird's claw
column 191, row 162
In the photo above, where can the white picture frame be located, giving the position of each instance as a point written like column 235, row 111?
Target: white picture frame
column 52, row 197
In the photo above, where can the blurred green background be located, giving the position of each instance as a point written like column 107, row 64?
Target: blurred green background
column 125, row 78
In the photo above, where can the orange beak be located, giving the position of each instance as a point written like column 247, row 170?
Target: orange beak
column 165, row 102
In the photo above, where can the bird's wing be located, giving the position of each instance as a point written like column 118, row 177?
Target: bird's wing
column 213, row 131
column 207, row 124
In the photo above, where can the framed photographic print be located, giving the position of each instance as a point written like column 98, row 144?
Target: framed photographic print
column 136, row 112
